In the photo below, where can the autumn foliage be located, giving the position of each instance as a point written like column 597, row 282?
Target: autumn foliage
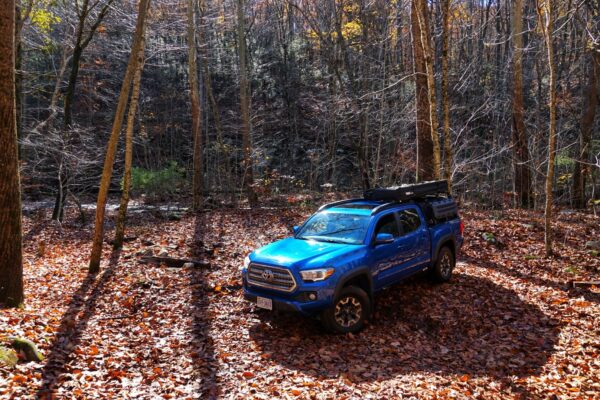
column 508, row 325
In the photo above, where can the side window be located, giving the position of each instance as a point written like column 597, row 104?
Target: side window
column 387, row 224
column 409, row 220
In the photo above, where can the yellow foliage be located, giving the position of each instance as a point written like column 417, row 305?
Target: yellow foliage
column 312, row 34
column 459, row 13
column 351, row 30
column 43, row 19
column 350, row 8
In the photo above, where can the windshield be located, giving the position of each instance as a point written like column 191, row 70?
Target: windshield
column 335, row 227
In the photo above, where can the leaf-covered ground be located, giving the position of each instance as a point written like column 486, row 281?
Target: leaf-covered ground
column 507, row 326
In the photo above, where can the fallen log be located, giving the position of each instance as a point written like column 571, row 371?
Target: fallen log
column 575, row 284
column 172, row 262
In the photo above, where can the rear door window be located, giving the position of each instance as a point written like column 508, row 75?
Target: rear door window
column 409, row 220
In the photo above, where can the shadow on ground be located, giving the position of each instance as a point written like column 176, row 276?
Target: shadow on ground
column 202, row 347
column 72, row 327
column 469, row 326
column 530, row 277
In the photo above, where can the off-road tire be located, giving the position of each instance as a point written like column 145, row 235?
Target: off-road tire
column 444, row 265
column 350, row 309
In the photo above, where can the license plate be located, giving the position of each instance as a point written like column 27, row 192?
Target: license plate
column 265, row 303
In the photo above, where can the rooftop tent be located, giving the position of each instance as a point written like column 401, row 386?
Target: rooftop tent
column 408, row 192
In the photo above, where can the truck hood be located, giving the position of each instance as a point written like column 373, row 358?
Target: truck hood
column 301, row 254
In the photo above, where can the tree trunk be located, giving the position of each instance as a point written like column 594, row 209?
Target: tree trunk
column 11, row 257
column 522, row 177
column 81, row 42
column 133, row 104
column 111, row 149
column 359, row 107
column 544, row 10
column 423, row 20
column 448, row 161
column 73, row 74
column 61, row 194
column 198, row 177
column 53, row 108
column 207, row 80
column 21, row 15
column 245, row 106
column 424, row 139
column 582, row 169
column 225, row 173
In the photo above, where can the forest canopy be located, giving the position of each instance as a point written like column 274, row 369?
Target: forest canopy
column 338, row 95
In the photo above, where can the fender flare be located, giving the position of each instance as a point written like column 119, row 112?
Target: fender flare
column 442, row 241
column 353, row 274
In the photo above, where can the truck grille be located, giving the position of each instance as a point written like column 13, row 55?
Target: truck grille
column 271, row 277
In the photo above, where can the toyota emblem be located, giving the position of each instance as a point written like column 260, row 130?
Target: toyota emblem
column 268, row 275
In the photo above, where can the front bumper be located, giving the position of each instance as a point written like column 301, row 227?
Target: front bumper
column 296, row 301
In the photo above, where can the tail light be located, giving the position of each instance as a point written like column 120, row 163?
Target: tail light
column 462, row 227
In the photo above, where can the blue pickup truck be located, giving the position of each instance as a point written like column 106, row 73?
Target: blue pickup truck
column 349, row 250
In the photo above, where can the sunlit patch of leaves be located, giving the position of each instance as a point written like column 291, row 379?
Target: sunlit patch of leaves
column 507, row 326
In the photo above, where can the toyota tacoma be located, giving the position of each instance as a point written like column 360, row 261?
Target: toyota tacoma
column 347, row 251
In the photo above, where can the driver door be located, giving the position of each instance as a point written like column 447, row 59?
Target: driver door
column 385, row 259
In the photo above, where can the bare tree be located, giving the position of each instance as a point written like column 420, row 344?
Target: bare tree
column 522, row 178
column 131, row 114
column 198, row 176
column 545, row 18
column 11, row 257
column 588, row 115
column 83, row 36
column 22, row 14
column 245, row 105
column 111, row 149
column 448, row 159
column 423, row 18
column 425, row 158
column 223, row 172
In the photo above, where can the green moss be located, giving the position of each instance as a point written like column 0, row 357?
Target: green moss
column 489, row 237
column 8, row 357
column 28, row 347
column 571, row 270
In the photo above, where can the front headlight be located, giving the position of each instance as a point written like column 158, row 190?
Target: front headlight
column 313, row 275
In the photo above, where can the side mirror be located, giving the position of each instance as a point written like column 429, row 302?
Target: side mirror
column 295, row 229
column 384, row 238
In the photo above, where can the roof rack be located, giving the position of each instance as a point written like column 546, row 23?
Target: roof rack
column 338, row 203
column 395, row 195
column 384, row 206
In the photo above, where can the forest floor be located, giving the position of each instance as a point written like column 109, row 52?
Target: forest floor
column 507, row 326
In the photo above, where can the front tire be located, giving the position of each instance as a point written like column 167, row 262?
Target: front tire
column 444, row 265
column 349, row 311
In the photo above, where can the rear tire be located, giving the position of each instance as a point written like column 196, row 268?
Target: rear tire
column 444, row 265
column 349, row 311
